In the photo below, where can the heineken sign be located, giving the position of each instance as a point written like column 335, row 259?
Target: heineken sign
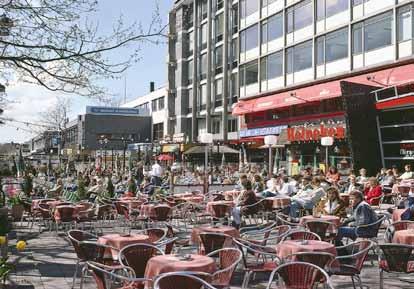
column 315, row 133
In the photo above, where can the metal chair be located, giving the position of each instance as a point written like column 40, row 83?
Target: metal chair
column 209, row 242
column 395, row 258
column 228, row 259
column 167, row 244
column 187, row 280
column 221, row 213
column 301, row 235
column 325, row 230
column 298, row 275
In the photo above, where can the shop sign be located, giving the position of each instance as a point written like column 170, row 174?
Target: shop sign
column 273, row 130
column 407, row 150
column 315, row 133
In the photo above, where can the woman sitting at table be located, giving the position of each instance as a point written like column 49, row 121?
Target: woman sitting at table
column 373, row 191
column 332, row 205
column 258, row 185
column 247, row 197
column 332, row 176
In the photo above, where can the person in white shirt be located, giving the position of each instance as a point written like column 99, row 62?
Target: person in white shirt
column 156, row 170
column 286, row 188
column 352, row 186
column 408, row 174
column 307, row 198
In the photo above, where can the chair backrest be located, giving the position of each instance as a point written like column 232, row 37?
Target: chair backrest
column 228, row 260
column 106, row 276
column 167, row 244
column 397, row 257
column 283, row 219
column 66, row 213
column 187, row 280
column 104, row 211
column 301, row 235
column 257, row 250
column 118, row 207
column 298, row 275
column 319, row 227
column 371, row 230
column 77, row 236
column 136, row 256
column 212, row 241
column 403, row 225
column 44, row 210
column 92, row 251
column 220, row 210
column 155, row 234
column 320, row 259
column 357, row 253
column 162, row 212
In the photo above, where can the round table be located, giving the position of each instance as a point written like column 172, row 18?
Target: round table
column 404, row 237
column 119, row 241
column 326, row 218
column 230, row 195
column 279, row 202
column 289, row 247
column 171, row 263
column 228, row 230
column 209, row 207
column 147, row 210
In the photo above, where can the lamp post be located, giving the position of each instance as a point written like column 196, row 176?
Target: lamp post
column 207, row 139
column 103, row 141
column 327, row 141
column 270, row 140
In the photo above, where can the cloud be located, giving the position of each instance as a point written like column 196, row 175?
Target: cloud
column 28, row 102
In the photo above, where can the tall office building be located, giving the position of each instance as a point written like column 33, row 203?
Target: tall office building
column 298, row 69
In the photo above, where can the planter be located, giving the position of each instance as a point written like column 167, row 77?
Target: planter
column 4, row 221
column 17, row 212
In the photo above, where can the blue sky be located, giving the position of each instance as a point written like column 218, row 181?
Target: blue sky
column 30, row 100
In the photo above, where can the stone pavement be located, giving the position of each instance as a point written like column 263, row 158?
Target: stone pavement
column 49, row 262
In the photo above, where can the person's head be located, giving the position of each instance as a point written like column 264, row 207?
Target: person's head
column 356, row 197
column 373, row 182
column 306, row 180
column 285, row 179
column 333, row 170
column 247, row 185
column 407, row 168
column 332, row 194
column 389, row 172
column 257, row 178
column 363, row 172
column 383, row 171
column 316, row 182
column 395, row 170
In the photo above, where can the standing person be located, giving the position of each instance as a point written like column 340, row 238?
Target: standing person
column 156, row 173
column 247, row 197
column 362, row 214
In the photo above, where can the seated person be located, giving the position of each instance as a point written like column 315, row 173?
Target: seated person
column 407, row 175
column 147, row 187
column 57, row 189
column 307, row 198
column 332, row 204
column 271, row 187
column 362, row 179
column 247, row 197
column 373, row 191
column 362, row 214
column 286, row 188
column 258, row 185
column 332, row 176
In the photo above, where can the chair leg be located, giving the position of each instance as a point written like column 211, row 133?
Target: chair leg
column 75, row 275
column 359, row 281
column 381, row 279
column 352, row 278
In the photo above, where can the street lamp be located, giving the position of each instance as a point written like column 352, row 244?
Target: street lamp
column 270, row 140
column 103, row 141
column 207, row 139
column 327, row 141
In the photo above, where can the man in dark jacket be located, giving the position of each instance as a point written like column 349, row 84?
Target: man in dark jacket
column 362, row 214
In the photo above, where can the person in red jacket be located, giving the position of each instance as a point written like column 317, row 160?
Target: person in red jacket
column 372, row 192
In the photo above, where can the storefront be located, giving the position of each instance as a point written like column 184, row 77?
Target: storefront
column 345, row 109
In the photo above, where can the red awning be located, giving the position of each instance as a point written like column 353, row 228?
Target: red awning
column 397, row 102
column 327, row 90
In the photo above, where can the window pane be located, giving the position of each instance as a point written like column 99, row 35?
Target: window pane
column 357, row 2
column 252, row 6
column 243, row 8
column 275, row 27
column 320, row 9
column 263, row 69
column 337, row 45
column 275, row 65
column 252, row 37
column 219, row 56
column 264, row 32
column 289, row 60
column 243, row 41
column 335, row 6
column 302, row 56
column 377, row 32
column 405, row 23
column 357, row 38
column 320, row 50
column 252, row 73
column 289, row 20
column 219, row 25
column 303, row 15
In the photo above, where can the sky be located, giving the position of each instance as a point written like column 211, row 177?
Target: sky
column 29, row 101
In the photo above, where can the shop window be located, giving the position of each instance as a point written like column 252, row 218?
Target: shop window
column 396, row 117
column 249, row 38
column 397, row 133
column 216, row 126
column 299, row 16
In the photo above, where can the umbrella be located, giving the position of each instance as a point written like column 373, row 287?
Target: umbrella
column 165, row 157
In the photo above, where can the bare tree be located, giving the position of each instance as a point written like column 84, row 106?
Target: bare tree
column 56, row 116
column 53, row 43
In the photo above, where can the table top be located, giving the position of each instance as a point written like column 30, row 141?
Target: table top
column 404, row 237
column 289, row 247
column 326, row 218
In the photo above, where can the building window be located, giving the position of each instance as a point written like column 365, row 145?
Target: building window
column 190, row 68
column 218, row 59
column 203, row 36
column 203, row 66
column 204, row 9
column 299, row 16
column 332, row 46
column 248, row 7
column 218, row 87
column 328, row 8
column 272, row 28
column 161, row 103
column 235, row 18
column 158, row 131
column 405, row 23
column 234, row 52
column 357, row 38
column 234, row 89
column 249, row 73
column 249, row 38
column 219, row 4
column 154, row 106
column 232, row 125
column 299, row 57
column 216, row 125
column 271, row 66
column 219, row 25
column 190, row 100
column 189, row 17
column 202, row 97
column 190, row 42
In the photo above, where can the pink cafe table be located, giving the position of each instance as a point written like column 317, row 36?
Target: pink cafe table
column 230, row 195
column 396, row 214
column 288, row 247
column 147, row 210
column 228, row 230
column 119, row 241
column 209, row 207
column 279, row 202
column 173, row 263
column 404, row 237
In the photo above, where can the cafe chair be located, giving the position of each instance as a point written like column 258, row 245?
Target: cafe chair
column 107, row 277
column 167, row 245
column 209, row 242
column 298, row 275
column 155, row 234
column 272, row 235
column 228, row 259
column 137, row 255
column 352, row 260
column 161, row 214
column 185, row 280
column 257, row 228
column 252, row 213
column 265, row 261
column 65, row 218
column 301, row 235
column 221, row 213
column 283, row 219
column 325, row 230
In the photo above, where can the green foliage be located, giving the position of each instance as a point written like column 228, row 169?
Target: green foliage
column 16, row 200
column 5, row 269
